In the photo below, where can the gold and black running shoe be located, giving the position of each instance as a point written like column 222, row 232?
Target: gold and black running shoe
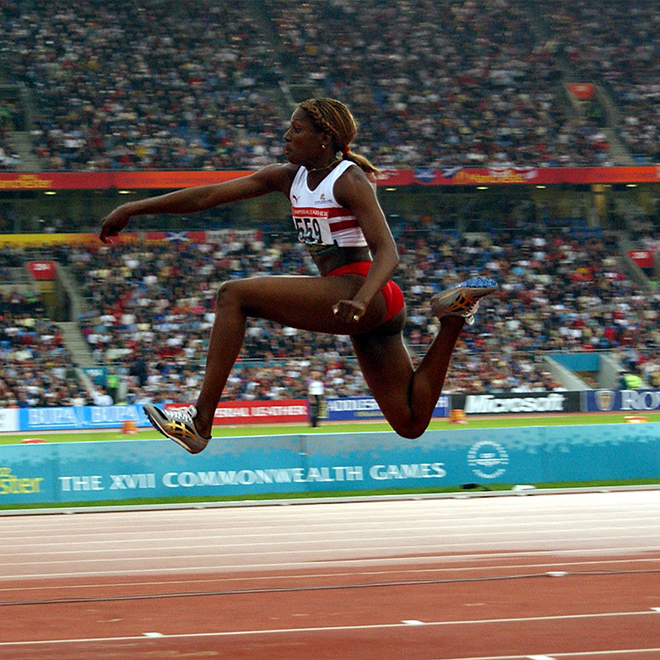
column 177, row 424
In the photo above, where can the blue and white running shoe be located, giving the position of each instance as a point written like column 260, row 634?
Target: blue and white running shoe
column 463, row 299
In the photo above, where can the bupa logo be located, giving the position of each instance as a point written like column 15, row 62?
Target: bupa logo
column 604, row 399
column 487, row 459
column 40, row 266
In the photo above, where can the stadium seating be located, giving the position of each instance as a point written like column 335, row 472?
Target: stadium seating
column 141, row 300
column 169, row 85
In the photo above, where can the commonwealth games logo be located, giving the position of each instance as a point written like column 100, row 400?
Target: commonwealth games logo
column 604, row 399
column 488, row 460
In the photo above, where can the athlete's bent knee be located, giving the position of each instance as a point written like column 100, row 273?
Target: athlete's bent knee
column 411, row 432
column 408, row 429
column 228, row 295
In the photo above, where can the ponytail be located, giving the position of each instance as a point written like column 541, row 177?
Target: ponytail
column 333, row 117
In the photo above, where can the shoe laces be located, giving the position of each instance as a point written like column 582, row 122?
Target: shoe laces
column 183, row 414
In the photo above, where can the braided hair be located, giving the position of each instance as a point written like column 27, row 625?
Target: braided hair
column 333, row 117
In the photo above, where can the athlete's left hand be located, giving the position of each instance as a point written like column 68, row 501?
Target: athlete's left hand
column 349, row 311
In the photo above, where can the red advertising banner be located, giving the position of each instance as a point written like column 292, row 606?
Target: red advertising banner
column 42, row 270
column 447, row 176
column 582, row 91
column 643, row 258
column 238, row 413
column 546, row 176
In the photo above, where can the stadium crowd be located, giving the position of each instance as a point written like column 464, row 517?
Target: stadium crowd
column 617, row 44
column 449, row 83
column 36, row 369
column 195, row 85
column 154, row 85
column 153, row 304
column 9, row 159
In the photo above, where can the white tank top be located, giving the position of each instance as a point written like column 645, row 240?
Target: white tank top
column 317, row 216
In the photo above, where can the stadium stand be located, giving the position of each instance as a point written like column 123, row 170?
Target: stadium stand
column 143, row 310
column 616, row 44
column 199, row 85
column 449, row 83
column 435, row 84
column 35, row 366
column 159, row 85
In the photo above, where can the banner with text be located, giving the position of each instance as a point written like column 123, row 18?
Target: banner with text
column 8, row 420
column 257, row 412
column 643, row 258
column 633, row 401
column 448, row 176
column 42, row 270
column 71, row 472
column 509, row 403
column 80, row 417
column 361, row 408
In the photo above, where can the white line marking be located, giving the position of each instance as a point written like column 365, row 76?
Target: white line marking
column 153, row 634
column 87, row 530
column 412, row 622
column 307, row 576
column 201, row 541
column 579, row 655
column 299, row 565
column 375, row 626
column 272, row 550
column 540, row 657
column 336, row 527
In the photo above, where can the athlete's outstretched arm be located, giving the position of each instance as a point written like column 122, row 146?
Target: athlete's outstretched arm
column 200, row 198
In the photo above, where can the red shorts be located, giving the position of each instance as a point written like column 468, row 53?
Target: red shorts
column 391, row 291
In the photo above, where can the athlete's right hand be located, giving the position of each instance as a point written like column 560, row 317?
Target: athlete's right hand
column 114, row 222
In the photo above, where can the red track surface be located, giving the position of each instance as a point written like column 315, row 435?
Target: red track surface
column 405, row 580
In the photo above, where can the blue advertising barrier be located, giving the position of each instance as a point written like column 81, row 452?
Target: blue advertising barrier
column 633, row 401
column 365, row 407
column 80, row 417
column 95, row 471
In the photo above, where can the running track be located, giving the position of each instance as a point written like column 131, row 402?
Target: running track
column 543, row 577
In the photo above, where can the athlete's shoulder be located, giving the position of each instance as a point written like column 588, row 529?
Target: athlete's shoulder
column 353, row 180
column 278, row 176
column 355, row 173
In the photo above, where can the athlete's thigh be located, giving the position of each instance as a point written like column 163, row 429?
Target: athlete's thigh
column 305, row 302
column 388, row 371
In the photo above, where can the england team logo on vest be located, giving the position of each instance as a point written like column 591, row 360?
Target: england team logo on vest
column 604, row 399
column 487, row 459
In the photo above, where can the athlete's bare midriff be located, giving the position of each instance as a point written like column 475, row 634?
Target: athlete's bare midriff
column 340, row 257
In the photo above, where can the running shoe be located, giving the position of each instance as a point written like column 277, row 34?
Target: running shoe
column 177, row 424
column 463, row 299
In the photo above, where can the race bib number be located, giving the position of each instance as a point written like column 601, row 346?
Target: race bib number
column 309, row 230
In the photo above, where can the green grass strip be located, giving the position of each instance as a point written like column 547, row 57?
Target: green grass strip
column 348, row 427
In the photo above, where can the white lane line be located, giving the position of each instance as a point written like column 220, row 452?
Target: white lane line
column 308, row 576
column 153, row 634
column 272, row 549
column 299, row 565
column 540, row 657
column 451, row 508
column 324, row 629
column 401, row 533
column 82, row 520
column 412, row 622
column 579, row 655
